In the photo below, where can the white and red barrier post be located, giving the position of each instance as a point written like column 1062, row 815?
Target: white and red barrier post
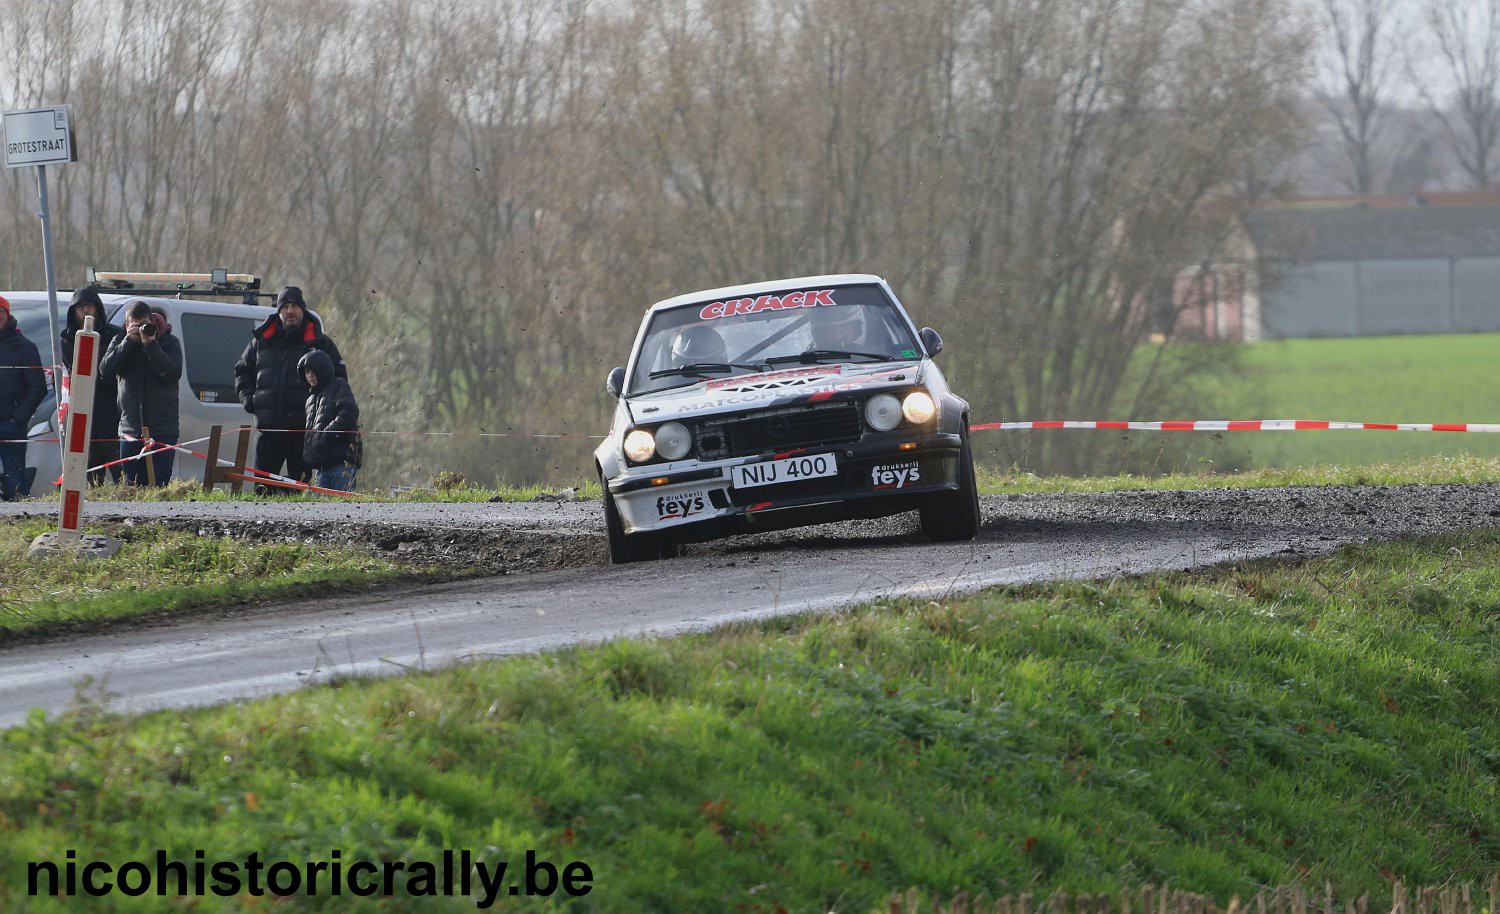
column 76, row 431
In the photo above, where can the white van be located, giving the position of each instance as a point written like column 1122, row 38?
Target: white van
column 213, row 335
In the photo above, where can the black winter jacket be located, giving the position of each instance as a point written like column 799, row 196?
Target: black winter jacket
column 266, row 376
column 332, row 417
column 106, row 386
column 148, row 375
column 22, row 384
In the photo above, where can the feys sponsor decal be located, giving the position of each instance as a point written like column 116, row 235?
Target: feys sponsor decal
column 681, row 505
column 733, row 306
column 895, row 475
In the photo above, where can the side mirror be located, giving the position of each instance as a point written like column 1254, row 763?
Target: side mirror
column 931, row 340
column 615, row 382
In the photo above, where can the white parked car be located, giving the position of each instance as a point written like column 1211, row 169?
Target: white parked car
column 213, row 334
column 780, row 404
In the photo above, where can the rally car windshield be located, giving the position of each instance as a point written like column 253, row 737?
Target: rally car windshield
column 737, row 336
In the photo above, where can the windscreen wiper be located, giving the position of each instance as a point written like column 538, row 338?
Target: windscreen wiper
column 704, row 369
column 817, row 355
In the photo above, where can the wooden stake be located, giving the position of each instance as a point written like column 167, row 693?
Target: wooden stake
column 149, row 461
column 241, row 452
column 211, row 466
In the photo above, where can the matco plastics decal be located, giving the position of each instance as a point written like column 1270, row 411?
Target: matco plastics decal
column 760, row 303
column 895, row 475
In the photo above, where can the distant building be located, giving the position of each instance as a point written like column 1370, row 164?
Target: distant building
column 1345, row 266
column 1371, row 266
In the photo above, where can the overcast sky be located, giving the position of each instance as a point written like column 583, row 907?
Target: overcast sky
column 1420, row 60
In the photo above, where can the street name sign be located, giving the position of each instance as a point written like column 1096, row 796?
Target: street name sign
column 39, row 136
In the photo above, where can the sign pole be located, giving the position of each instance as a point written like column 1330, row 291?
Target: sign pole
column 53, row 370
column 40, row 137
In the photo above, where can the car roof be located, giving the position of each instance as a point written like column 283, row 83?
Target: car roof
column 171, row 303
column 759, row 288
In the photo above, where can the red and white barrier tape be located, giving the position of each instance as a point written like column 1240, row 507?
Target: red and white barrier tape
column 1186, row 425
column 1239, row 425
column 228, row 432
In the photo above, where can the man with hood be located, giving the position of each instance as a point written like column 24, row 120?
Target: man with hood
column 87, row 303
column 331, row 445
column 271, row 386
column 22, row 389
column 147, row 360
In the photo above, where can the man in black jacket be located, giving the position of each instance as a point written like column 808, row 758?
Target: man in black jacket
column 106, row 415
column 22, row 389
column 331, row 445
column 271, row 387
column 147, row 360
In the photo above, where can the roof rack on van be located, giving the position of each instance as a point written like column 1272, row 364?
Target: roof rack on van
column 217, row 282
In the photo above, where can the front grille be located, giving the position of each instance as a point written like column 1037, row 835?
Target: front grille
column 775, row 430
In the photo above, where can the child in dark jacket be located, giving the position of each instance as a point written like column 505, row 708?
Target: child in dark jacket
column 331, row 444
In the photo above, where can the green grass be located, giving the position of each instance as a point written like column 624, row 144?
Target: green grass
column 160, row 572
column 1335, row 719
column 1366, row 379
column 1432, row 470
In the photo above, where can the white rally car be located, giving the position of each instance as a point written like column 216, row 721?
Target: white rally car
column 780, row 404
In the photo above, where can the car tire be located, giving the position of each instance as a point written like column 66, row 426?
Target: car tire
column 951, row 517
column 627, row 547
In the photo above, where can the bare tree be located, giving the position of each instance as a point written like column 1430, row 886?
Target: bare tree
column 1362, row 59
column 482, row 196
column 1467, row 35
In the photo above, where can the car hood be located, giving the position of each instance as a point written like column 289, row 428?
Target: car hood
column 786, row 387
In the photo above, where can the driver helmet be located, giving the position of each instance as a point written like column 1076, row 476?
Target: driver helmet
column 837, row 328
column 698, row 344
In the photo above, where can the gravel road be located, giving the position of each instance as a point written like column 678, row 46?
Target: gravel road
column 550, row 587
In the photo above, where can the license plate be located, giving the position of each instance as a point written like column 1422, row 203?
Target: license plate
column 788, row 469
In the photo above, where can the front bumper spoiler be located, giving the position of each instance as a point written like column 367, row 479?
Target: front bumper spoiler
column 875, row 477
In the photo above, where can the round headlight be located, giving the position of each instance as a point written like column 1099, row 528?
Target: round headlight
column 918, row 407
column 639, row 445
column 673, row 441
column 883, row 412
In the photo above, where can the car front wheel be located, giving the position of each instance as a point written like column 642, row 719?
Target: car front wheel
column 950, row 517
column 628, row 547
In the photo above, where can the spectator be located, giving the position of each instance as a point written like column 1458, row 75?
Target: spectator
column 332, row 443
column 147, row 360
column 23, row 386
column 106, row 415
column 272, row 387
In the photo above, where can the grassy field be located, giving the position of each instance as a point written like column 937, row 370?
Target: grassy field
column 1369, row 379
column 1333, row 719
column 160, row 572
column 1432, row 470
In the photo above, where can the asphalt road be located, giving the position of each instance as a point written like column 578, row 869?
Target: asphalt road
column 278, row 647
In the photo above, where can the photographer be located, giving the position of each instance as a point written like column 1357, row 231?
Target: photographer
column 147, row 360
